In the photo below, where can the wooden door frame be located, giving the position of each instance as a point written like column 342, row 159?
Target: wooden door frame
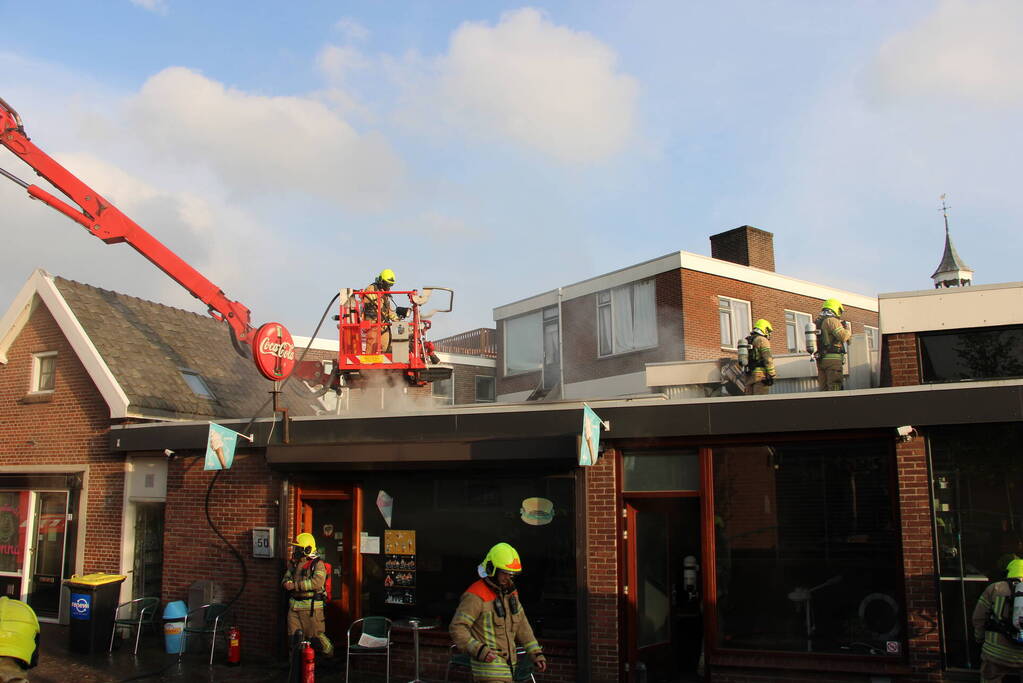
column 338, row 491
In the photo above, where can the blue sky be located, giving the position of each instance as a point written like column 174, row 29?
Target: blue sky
column 504, row 149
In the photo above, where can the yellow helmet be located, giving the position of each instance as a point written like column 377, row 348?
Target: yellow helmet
column 1014, row 570
column 19, row 631
column 833, row 305
column 764, row 326
column 387, row 276
column 306, row 542
column 501, row 557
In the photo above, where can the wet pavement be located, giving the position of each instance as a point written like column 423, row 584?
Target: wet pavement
column 58, row 665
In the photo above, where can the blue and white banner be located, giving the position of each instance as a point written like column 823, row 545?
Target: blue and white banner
column 220, row 445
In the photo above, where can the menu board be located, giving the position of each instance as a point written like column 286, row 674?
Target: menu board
column 399, row 567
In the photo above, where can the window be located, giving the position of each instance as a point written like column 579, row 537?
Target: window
column 443, row 391
column 197, row 384
column 661, row 471
column 795, row 331
column 626, row 318
column 807, row 547
column 873, row 339
column 973, row 354
column 523, row 348
column 735, row 321
column 484, row 389
column 44, row 372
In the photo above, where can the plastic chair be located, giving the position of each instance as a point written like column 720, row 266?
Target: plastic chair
column 523, row 667
column 143, row 612
column 213, row 613
column 376, row 627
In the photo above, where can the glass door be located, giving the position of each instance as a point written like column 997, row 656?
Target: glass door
column 147, row 569
column 47, row 567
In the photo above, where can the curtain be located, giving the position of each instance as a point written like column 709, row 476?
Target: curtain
column 635, row 320
column 523, row 350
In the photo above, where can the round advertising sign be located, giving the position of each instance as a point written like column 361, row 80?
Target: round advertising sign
column 274, row 351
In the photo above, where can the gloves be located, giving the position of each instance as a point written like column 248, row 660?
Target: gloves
column 401, row 311
column 768, row 381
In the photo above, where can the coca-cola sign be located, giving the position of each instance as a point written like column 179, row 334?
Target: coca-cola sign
column 274, row 351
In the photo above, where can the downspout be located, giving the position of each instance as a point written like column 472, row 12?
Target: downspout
column 561, row 347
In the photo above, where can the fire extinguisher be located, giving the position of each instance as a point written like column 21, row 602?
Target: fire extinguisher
column 308, row 663
column 234, row 646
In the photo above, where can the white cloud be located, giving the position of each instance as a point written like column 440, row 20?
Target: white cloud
column 158, row 6
column 336, row 61
column 255, row 143
column 967, row 49
column 548, row 87
column 351, row 29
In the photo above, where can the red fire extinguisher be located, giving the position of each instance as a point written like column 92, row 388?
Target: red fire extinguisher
column 308, row 663
column 234, row 646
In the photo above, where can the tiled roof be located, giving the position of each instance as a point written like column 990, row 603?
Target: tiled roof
column 950, row 259
column 146, row 345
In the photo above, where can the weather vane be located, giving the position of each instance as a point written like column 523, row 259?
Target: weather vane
column 944, row 211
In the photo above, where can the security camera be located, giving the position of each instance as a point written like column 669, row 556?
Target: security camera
column 168, row 452
column 905, row 433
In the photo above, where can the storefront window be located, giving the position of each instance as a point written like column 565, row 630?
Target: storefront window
column 807, row 547
column 455, row 520
column 959, row 355
column 13, row 518
column 978, row 521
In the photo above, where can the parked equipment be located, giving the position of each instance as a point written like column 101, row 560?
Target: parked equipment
column 270, row 345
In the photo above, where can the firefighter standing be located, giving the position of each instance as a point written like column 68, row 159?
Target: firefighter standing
column 999, row 656
column 379, row 308
column 490, row 620
column 831, row 349
column 306, row 580
column 19, row 640
column 761, row 372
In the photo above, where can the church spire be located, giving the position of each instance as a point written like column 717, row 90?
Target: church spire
column 952, row 271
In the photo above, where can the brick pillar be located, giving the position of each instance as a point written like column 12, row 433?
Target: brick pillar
column 602, row 574
column 919, row 571
column 900, row 364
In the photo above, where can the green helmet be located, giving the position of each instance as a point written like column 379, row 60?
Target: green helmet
column 386, row 276
column 1014, row 570
column 833, row 305
column 501, row 557
column 764, row 326
column 19, row 630
column 307, row 543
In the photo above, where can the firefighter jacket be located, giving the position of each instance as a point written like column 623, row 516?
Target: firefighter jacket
column 996, row 602
column 489, row 621
column 310, row 578
column 761, row 362
column 373, row 302
column 833, row 336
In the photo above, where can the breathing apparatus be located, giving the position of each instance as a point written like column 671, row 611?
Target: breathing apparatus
column 1014, row 572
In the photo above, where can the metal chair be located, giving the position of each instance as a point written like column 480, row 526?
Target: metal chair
column 213, row 614
column 523, row 667
column 143, row 612
column 375, row 627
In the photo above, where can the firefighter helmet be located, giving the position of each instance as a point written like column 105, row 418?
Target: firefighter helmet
column 1014, row 570
column 833, row 305
column 764, row 326
column 502, row 557
column 386, row 276
column 306, row 542
column 19, row 631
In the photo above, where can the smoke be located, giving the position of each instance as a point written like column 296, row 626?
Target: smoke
column 385, row 392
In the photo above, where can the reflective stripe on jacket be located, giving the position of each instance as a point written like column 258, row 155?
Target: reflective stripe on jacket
column 310, row 580
column 477, row 629
column 996, row 601
column 833, row 336
column 760, row 358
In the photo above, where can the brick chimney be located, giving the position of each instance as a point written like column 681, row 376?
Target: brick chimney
column 746, row 245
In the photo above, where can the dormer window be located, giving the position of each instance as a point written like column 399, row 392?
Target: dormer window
column 197, row 384
column 44, row 372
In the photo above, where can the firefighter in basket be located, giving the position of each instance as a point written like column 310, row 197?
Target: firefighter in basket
column 378, row 307
column 760, row 370
column 490, row 623
column 306, row 582
column 998, row 625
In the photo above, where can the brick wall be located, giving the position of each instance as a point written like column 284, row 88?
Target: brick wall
column 464, row 377
column 900, row 364
column 918, row 561
column 68, row 427
column 745, row 245
column 602, row 569
column 700, row 313
column 244, row 497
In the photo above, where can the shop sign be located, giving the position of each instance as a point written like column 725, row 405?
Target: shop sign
column 274, row 351
column 589, row 443
column 220, row 446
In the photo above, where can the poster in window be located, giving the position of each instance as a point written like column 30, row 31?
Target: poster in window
column 13, row 518
column 399, row 567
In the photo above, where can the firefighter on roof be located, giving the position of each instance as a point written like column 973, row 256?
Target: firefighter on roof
column 379, row 308
column 306, row 581
column 760, row 370
column 19, row 640
column 831, row 350
column 490, row 620
column 999, row 606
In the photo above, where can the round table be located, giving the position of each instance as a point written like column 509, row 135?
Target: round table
column 415, row 624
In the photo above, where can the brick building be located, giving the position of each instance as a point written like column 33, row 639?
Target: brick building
column 595, row 338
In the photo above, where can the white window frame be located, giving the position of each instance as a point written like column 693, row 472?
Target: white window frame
column 37, row 367
column 738, row 331
column 609, row 305
column 873, row 340
column 538, row 314
column 476, row 388
column 444, row 399
column 798, row 330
